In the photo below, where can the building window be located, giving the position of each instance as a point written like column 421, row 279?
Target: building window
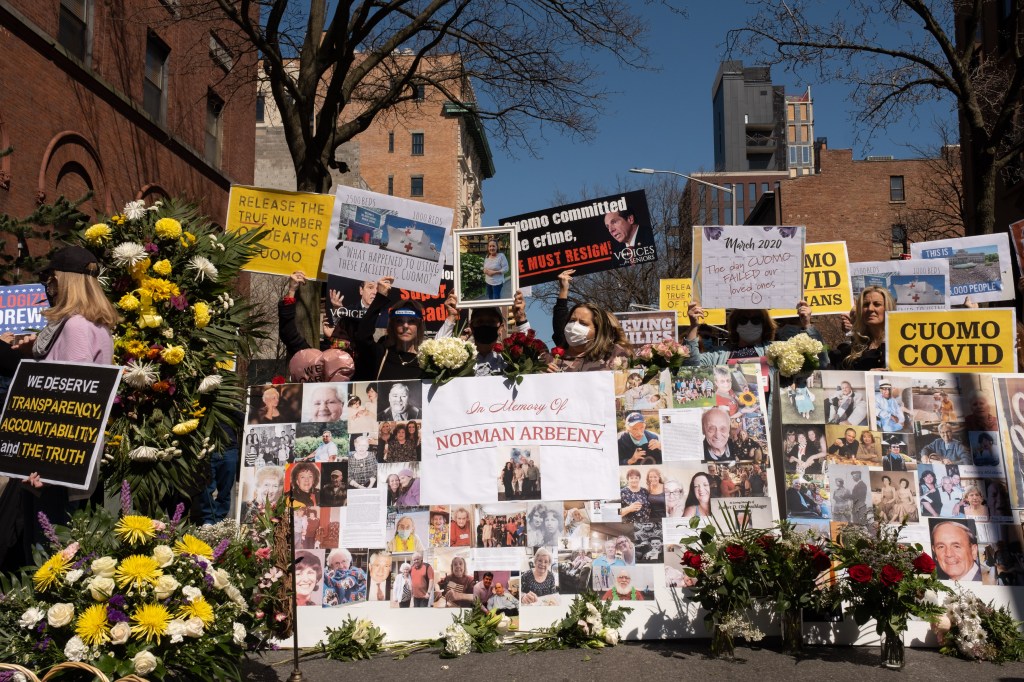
column 261, row 109
column 73, row 27
column 805, row 155
column 214, row 108
column 416, row 187
column 220, row 54
column 419, row 92
column 896, row 188
column 793, row 157
column 417, row 144
column 391, row 142
column 154, row 89
column 391, row 185
column 900, row 243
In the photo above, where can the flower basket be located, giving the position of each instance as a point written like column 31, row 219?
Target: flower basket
column 56, row 670
column 29, row 675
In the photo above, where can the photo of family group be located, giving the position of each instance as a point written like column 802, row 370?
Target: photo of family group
column 519, row 477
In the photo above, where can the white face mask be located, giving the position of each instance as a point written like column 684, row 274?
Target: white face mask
column 404, row 533
column 749, row 332
column 576, row 333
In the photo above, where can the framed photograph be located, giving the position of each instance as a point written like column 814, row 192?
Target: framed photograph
column 486, row 267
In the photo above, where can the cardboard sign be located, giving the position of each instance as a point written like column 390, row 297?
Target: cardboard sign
column 747, row 266
column 826, row 280
column 297, row 221
column 913, row 284
column 979, row 266
column 21, row 308
column 589, row 236
column 646, row 327
column 676, row 295
column 961, row 341
column 378, row 235
column 53, row 421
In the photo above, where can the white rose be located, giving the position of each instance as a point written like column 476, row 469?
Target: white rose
column 221, row 578
column 234, row 595
column 144, row 662
column 238, row 632
column 191, row 592
column 163, row 555
column 76, row 649
column 101, row 587
column 73, row 576
column 610, row 636
column 165, row 586
column 104, row 566
column 503, row 625
column 120, row 633
column 31, row 617
column 194, row 627
column 60, row 615
column 176, row 630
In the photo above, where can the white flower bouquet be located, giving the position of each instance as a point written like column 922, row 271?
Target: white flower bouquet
column 798, row 355
column 445, row 359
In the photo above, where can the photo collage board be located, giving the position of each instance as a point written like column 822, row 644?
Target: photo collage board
column 371, row 527
column 925, row 448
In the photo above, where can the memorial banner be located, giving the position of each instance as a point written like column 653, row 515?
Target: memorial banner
column 646, row 327
column 21, row 307
column 747, row 266
column 53, row 421
column 588, row 236
column 297, row 223
column 676, row 295
column 979, row 266
column 968, row 340
column 378, row 235
column 913, row 284
column 826, row 280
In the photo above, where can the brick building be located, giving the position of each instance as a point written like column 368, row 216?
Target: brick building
column 123, row 99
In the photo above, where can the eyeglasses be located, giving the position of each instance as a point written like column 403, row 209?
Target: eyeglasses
column 673, row 492
column 747, row 318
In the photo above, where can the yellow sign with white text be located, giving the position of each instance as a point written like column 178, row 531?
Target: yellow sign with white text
column 297, row 222
column 961, row 340
column 826, row 280
column 676, row 295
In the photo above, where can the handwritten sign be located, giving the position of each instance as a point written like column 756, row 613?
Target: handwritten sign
column 979, row 266
column 21, row 308
column 642, row 328
column 297, row 224
column 826, row 280
column 676, row 295
column 748, row 266
column 53, row 421
column 962, row 340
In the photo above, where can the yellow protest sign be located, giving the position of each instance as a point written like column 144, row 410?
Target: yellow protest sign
column 967, row 340
column 298, row 223
column 676, row 295
column 826, row 280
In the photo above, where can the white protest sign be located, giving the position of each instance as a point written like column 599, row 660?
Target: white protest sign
column 913, row 284
column 979, row 266
column 563, row 423
column 377, row 235
column 748, row 266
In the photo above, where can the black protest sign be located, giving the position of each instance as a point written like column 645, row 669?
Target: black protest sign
column 357, row 295
column 589, row 236
column 53, row 421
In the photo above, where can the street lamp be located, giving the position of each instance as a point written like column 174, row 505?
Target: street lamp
column 651, row 171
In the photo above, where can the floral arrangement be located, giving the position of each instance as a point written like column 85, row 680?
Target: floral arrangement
column 885, row 579
column 977, row 631
column 355, row 640
column 523, row 353
column 171, row 273
column 445, row 359
column 130, row 595
column 589, row 624
column 798, row 355
column 653, row 358
column 471, row 630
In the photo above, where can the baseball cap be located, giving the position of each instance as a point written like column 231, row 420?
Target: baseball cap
column 634, row 418
column 72, row 259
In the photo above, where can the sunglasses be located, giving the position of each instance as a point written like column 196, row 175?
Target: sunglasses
column 747, row 318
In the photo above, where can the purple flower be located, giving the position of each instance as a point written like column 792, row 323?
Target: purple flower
column 179, row 302
column 43, row 644
column 126, row 498
column 151, row 247
column 41, row 627
column 48, row 531
column 208, row 579
column 116, row 600
column 115, row 616
column 219, row 550
column 179, row 511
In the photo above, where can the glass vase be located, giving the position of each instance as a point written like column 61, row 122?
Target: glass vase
column 892, row 648
column 722, row 644
column 792, row 631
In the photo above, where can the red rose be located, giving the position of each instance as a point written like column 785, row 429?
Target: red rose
column 278, row 379
column 558, row 352
column 765, row 542
column 924, row 564
column 891, row 575
column 860, row 573
column 516, row 352
column 530, row 333
column 539, row 346
column 821, row 562
column 692, row 559
column 735, row 553
column 498, row 347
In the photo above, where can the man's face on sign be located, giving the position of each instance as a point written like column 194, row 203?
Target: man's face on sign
column 618, row 227
column 367, row 291
column 398, row 397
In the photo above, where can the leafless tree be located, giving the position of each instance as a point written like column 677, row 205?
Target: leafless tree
column 898, row 54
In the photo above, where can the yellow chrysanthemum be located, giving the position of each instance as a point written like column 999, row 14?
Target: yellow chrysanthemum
column 136, row 348
column 158, row 289
column 187, row 239
column 150, row 621
column 173, row 355
column 197, row 608
column 98, row 233
column 168, row 228
column 162, row 267
column 201, row 312
column 128, row 303
column 187, row 426
column 92, row 625
column 137, row 570
column 50, row 572
column 117, row 219
column 135, row 529
column 138, row 271
column 190, row 544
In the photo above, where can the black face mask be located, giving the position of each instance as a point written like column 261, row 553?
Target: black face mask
column 485, row 334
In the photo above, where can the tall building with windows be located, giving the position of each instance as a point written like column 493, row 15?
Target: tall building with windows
column 121, row 99
column 749, row 118
column 800, row 134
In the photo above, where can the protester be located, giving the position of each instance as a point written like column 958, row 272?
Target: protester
column 866, row 349
column 585, row 333
column 333, row 337
column 393, row 356
column 487, row 327
column 750, row 333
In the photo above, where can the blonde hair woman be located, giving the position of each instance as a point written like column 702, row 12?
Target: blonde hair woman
column 867, row 349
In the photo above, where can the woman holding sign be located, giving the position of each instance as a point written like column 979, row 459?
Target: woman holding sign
column 586, row 333
column 394, row 356
column 866, row 349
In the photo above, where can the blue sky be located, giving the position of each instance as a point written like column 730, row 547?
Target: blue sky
column 662, row 119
